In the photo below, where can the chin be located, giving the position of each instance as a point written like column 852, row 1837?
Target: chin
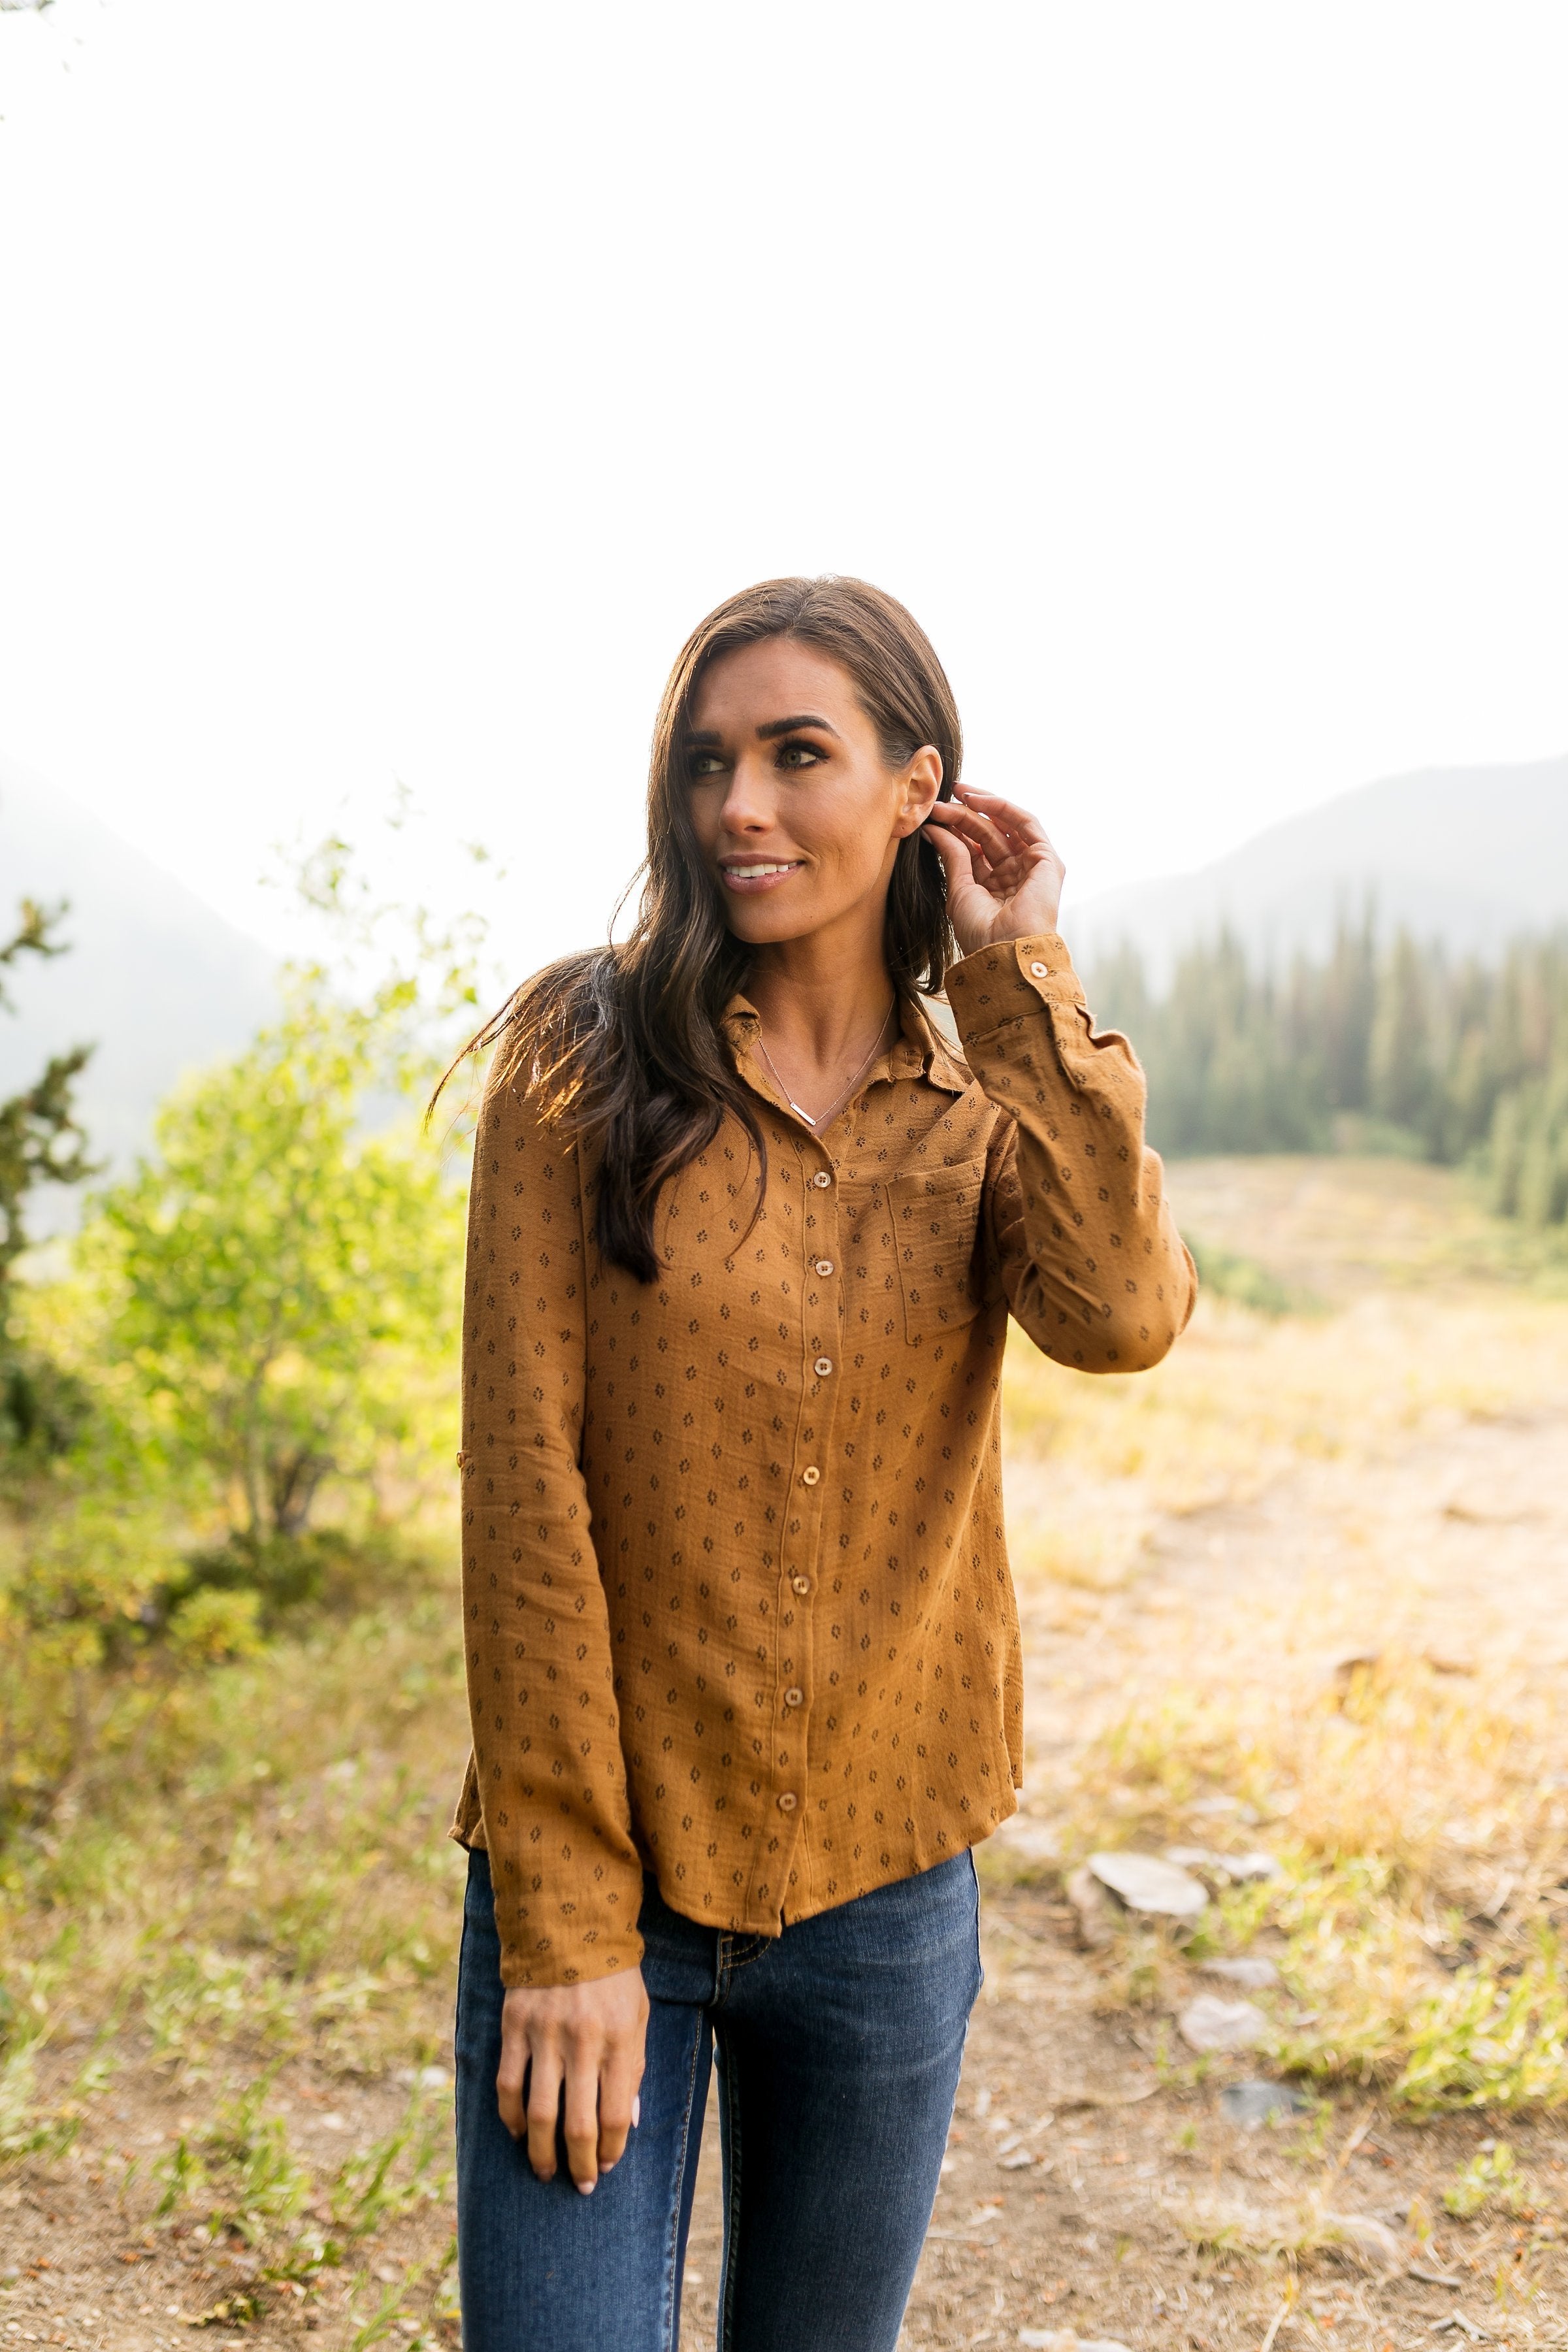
column 755, row 931
column 760, row 924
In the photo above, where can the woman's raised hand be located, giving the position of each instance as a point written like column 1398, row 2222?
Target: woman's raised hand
column 1004, row 878
column 587, row 2039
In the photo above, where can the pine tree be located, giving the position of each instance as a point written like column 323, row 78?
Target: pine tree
column 42, row 1142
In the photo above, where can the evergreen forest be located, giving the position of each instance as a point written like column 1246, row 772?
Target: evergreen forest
column 1384, row 1044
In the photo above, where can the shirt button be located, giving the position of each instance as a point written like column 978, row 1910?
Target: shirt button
column 1040, row 971
column 822, row 1180
column 809, row 1478
column 825, row 1265
column 786, row 1803
column 822, row 1367
column 795, row 1698
column 801, row 1583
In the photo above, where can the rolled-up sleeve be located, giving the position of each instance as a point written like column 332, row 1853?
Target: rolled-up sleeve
column 1093, row 1266
column 548, row 1779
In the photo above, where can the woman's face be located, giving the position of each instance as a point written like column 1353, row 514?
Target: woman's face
column 797, row 814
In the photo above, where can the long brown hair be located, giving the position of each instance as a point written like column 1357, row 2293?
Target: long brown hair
column 624, row 1043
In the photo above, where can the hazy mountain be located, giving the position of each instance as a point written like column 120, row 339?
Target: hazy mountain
column 154, row 978
column 1469, row 855
column 163, row 984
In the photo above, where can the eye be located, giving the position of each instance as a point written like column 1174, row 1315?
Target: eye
column 799, row 754
column 705, row 763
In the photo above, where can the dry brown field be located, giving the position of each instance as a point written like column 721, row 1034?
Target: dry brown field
column 1300, row 1592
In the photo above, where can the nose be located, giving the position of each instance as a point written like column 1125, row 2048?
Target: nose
column 749, row 802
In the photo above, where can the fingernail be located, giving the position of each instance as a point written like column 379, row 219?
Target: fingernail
column 636, row 2110
column 586, row 2188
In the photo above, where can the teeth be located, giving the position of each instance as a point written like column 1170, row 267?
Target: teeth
column 750, row 873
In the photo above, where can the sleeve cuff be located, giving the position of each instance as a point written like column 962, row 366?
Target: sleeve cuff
column 615, row 1955
column 1010, row 981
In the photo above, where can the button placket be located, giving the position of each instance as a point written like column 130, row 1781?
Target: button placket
column 821, row 1253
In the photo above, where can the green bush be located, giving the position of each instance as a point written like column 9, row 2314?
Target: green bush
column 277, row 1281
column 1225, row 1273
column 239, row 1392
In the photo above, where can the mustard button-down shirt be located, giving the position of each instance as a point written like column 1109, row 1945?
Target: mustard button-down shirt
column 735, row 1583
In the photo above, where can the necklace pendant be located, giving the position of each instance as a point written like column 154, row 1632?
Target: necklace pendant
column 833, row 1109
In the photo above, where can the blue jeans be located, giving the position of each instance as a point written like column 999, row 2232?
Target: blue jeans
column 839, row 2045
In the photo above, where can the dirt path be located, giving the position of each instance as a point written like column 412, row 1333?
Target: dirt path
column 1455, row 1546
column 1069, row 2161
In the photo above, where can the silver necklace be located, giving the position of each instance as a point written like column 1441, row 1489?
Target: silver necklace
column 827, row 1117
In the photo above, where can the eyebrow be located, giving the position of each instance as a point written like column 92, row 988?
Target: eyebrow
column 787, row 726
column 701, row 739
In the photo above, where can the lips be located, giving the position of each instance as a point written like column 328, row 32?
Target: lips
column 753, row 873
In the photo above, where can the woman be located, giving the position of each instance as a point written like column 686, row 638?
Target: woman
column 742, row 1654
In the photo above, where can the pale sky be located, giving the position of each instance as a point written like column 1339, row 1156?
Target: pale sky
column 389, row 388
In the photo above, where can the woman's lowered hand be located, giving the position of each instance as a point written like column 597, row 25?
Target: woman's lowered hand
column 1004, row 878
column 585, row 2042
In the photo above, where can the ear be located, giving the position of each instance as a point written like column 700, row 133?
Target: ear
column 919, row 783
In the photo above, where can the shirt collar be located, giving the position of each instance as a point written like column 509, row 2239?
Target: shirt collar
column 920, row 1049
column 927, row 1022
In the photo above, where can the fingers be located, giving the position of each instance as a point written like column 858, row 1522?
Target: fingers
column 1004, row 878
column 1010, row 851
column 955, row 856
column 513, row 2068
column 583, row 2115
column 599, row 2108
column 970, row 899
column 544, row 2079
column 1005, row 815
column 618, row 2079
column 571, row 2066
column 990, row 830
column 621, row 2067
column 975, row 823
column 965, row 831
column 997, row 863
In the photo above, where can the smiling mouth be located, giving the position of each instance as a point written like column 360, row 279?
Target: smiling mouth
column 760, row 873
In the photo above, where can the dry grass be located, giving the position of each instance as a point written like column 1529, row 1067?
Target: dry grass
column 267, row 1908
column 276, row 1879
column 1245, row 1398
column 1423, row 1327
column 1417, row 1801
column 1418, row 1919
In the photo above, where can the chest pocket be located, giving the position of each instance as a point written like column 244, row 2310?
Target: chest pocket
column 935, row 1214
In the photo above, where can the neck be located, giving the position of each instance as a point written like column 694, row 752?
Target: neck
column 821, row 996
